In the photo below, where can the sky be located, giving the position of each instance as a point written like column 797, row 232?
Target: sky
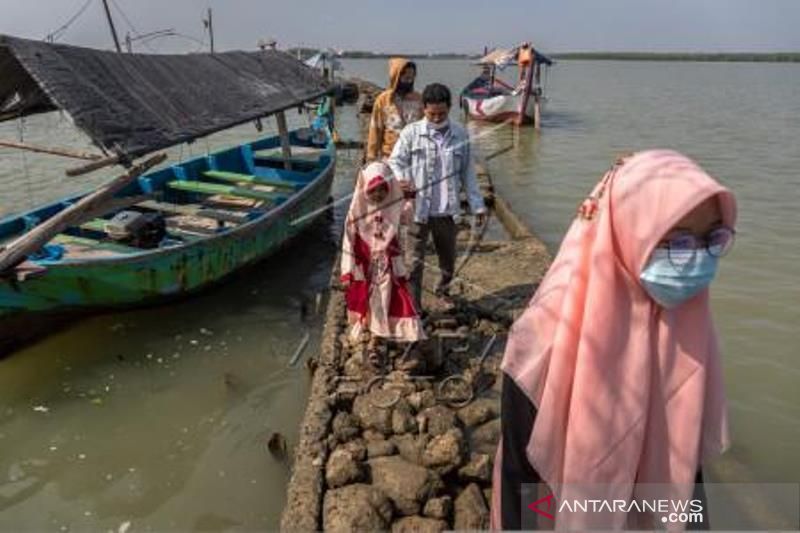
column 421, row 26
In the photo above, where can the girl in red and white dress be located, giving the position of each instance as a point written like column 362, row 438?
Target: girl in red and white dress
column 379, row 303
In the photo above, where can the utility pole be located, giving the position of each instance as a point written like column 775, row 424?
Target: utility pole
column 111, row 25
column 209, row 24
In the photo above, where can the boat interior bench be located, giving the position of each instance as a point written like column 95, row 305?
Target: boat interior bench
column 201, row 187
column 303, row 158
column 202, row 197
column 234, row 177
column 82, row 245
column 222, row 215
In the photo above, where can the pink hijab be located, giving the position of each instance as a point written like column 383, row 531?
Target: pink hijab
column 626, row 391
column 372, row 258
column 362, row 217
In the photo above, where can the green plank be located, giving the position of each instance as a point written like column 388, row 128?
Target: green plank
column 92, row 243
column 214, row 188
column 97, row 224
column 305, row 154
column 226, row 215
column 234, row 177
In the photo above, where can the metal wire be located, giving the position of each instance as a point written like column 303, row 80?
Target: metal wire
column 53, row 36
column 132, row 27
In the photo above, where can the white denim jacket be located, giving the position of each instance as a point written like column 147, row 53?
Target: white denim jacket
column 414, row 158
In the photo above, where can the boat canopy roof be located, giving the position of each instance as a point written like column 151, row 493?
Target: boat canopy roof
column 132, row 104
column 503, row 57
column 325, row 58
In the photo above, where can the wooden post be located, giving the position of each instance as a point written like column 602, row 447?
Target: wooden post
column 526, row 94
column 111, row 25
column 537, row 109
column 17, row 251
column 286, row 147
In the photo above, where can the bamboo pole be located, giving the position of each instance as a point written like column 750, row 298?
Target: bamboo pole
column 286, row 146
column 17, row 251
column 111, row 26
column 64, row 152
column 97, row 160
column 94, row 165
column 116, row 204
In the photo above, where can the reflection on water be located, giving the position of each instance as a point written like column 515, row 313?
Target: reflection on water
column 739, row 121
column 161, row 416
column 748, row 144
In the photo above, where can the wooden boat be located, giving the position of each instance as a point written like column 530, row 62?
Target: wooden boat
column 491, row 99
column 221, row 212
column 176, row 229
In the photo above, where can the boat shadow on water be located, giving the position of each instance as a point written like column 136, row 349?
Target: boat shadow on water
column 563, row 120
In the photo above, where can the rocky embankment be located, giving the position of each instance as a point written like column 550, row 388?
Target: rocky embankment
column 413, row 451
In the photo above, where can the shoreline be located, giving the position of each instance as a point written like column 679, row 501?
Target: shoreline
column 707, row 57
column 781, row 57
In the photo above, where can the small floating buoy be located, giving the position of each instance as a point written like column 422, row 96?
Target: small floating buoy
column 277, row 445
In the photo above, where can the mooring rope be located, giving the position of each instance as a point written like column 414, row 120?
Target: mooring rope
column 21, row 137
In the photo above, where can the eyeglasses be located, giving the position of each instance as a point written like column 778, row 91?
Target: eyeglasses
column 682, row 247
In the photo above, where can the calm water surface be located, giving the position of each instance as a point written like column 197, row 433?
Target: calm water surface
column 159, row 416
column 741, row 122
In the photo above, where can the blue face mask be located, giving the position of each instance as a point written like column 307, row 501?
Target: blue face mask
column 671, row 285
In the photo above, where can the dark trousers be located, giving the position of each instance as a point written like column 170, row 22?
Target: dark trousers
column 444, row 232
column 518, row 416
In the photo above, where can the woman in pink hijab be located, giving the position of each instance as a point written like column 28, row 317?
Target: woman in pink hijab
column 612, row 377
column 379, row 303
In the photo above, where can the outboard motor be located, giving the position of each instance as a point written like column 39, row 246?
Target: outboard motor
column 141, row 230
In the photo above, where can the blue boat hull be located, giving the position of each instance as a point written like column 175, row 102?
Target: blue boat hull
column 146, row 276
